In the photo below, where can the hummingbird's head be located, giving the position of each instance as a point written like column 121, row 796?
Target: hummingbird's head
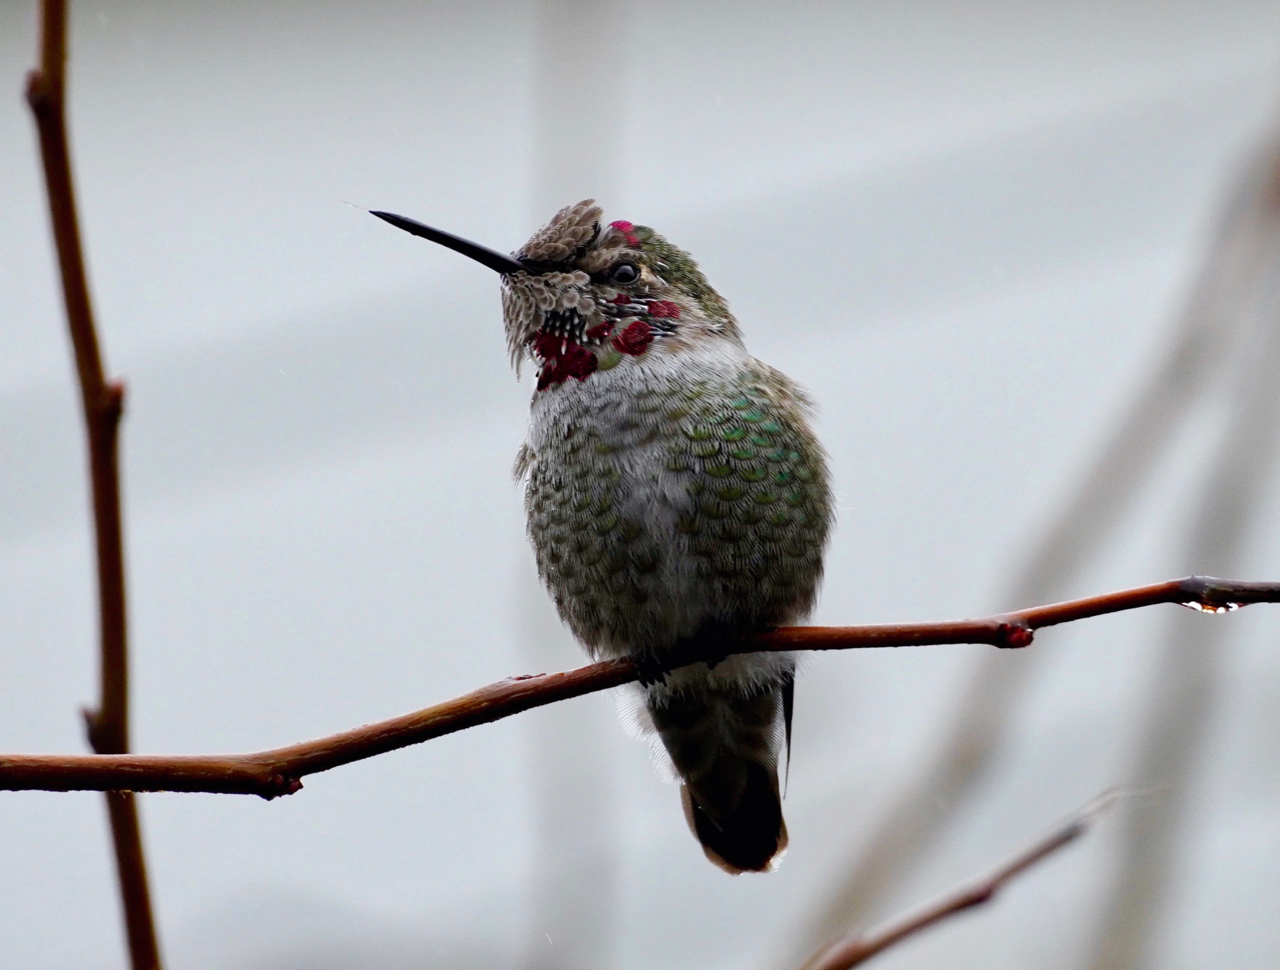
column 581, row 296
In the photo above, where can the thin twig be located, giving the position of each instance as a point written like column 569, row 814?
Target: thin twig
column 851, row 950
column 108, row 726
column 279, row 771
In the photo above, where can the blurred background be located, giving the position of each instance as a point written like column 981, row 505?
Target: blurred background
column 1027, row 259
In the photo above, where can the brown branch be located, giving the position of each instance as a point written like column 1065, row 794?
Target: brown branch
column 851, row 950
column 279, row 771
column 108, row 726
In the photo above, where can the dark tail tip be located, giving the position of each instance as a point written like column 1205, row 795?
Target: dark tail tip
column 753, row 836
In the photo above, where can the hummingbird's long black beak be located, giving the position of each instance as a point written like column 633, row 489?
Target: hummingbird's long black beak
column 481, row 254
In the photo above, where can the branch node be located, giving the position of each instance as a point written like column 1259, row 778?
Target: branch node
column 39, row 92
column 1211, row 595
column 1013, row 635
column 94, row 730
column 979, row 898
column 279, row 784
column 112, row 401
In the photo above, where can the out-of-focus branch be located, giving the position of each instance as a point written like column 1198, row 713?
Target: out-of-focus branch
column 108, row 726
column 1238, row 475
column 851, row 950
column 1240, row 254
column 279, row 771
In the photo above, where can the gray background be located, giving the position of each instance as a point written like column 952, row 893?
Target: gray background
column 968, row 228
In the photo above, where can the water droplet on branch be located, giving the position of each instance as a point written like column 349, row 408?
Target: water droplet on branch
column 1211, row 607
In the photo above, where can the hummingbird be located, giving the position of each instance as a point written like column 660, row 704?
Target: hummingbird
column 677, row 501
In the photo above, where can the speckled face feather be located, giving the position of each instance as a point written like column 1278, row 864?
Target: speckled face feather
column 576, row 312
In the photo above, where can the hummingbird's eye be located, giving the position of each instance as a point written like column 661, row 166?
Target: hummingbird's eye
column 624, row 273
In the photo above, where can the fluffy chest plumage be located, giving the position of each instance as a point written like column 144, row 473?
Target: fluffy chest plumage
column 674, row 492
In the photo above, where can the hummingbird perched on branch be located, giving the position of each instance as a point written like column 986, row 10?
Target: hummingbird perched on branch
column 677, row 500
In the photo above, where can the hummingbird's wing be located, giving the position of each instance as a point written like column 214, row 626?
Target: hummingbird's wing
column 788, row 707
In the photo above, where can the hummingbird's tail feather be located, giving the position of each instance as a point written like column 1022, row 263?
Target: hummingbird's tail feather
column 753, row 837
column 725, row 745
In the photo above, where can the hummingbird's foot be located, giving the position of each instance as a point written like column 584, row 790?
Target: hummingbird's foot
column 717, row 644
column 651, row 671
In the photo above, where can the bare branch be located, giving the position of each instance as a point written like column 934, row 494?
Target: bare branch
column 108, row 726
column 279, row 771
column 851, row 950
